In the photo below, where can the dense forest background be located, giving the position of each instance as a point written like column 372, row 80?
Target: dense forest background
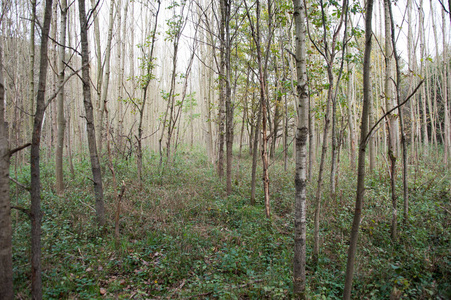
column 218, row 149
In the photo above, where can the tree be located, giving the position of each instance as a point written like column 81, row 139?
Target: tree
column 301, row 154
column 6, row 260
column 262, row 70
column 95, row 164
column 392, row 127
column 60, row 100
column 35, row 213
column 106, row 78
column 148, row 67
column 329, row 53
column 225, row 60
column 362, row 152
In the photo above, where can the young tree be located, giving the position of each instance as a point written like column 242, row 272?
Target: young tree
column 362, row 152
column 301, row 154
column 148, row 67
column 95, row 164
column 35, row 213
column 6, row 259
column 60, row 101
column 262, row 70
column 329, row 53
column 106, row 78
column 389, row 101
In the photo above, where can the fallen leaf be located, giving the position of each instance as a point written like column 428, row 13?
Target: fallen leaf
column 102, row 291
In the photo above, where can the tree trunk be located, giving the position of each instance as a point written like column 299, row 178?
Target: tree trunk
column 424, row 96
column 99, row 69
column 106, row 77
column 255, row 154
column 32, row 59
column 262, row 79
column 301, row 154
column 389, row 97
column 222, row 93
column 362, row 149
column 351, row 119
column 95, row 164
column 60, row 103
column 149, row 69
column 225, row 20
column 6, row 258
column 36, row 215
column 445, row 78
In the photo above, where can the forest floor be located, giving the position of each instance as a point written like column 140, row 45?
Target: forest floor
column 181, row 237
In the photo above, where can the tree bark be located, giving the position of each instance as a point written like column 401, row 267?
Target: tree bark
column 95, row 164
column 6, row 258
column 106, row 78
column 60, row 101
column 148, row 76
column 32, row 59
column 362, row 149
column 99, row 69
column 389, row 96
column 225, row 20
column 301, row 154
column 36, row 215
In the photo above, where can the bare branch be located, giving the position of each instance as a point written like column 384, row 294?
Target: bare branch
column 11, row 152
column 391, row 110
column 22, row 209
column 20, row 184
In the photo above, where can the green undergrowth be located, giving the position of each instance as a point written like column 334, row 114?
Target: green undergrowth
column 181, row 237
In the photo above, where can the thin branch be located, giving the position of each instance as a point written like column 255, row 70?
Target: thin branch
column 11, row 152
column 391, row 110
column 53, row 96
column 20, row 184
column 288, row 50
column 22, row 209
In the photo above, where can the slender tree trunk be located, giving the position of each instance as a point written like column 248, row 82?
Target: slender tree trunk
column 362, row 151
column 329, row 56
column 424, row 95
column 223, row 92
column 106, row 78
column 445, row 79
column 121, row 59
column 372, row 138
column 225, row 16
column 255, row 154
column 389, row 97
column 6, row 258
column 351, row 119
column 60, row 99
column 99, row 70
column 149, row 70
column 95, row 164
column 312, row 142
column 32, row 59
column 263, row 103
column 301, row 154
column 403, row 136
column 36, row 215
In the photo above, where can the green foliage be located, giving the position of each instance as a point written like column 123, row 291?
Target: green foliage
column 186, row 238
